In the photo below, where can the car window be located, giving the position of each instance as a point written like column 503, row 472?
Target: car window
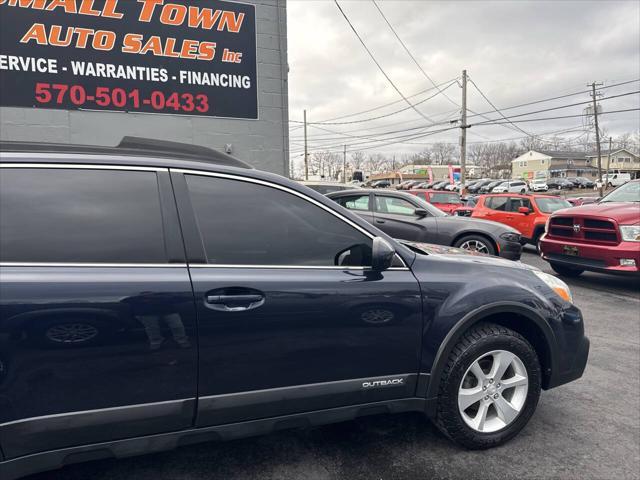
column 445, row 198
column 355, row 202
column 398, row 206
column 550, row 204
column 497, row 203
column 243, row 223
column 516, row 202
column 629, row 192
column 80, row 216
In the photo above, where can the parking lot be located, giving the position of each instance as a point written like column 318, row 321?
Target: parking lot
column 586, row 429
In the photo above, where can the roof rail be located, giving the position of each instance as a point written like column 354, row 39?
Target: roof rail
column 132, row 146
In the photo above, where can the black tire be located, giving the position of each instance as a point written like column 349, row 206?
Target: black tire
column 523, row 191
column 479, row 340
column 566, row 271
column 476, row 238
column 536, row 240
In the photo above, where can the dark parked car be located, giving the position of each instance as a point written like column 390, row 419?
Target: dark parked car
column 490, row 186
column 245, row 303
column 381, row 184
column 328, row 187
column 581, row 182
column 408, row 217
column 440, row 185
column 560, row 183
column 475, row 188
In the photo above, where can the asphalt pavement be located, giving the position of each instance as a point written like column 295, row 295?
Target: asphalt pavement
column 586, row 429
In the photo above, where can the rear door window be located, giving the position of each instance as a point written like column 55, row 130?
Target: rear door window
column 497, row 203
column 355, row 202
column 59, row 215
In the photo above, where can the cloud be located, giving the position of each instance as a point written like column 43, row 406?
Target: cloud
column 516, row 52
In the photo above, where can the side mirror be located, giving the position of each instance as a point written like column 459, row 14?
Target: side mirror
column 524, row 210
column 421, row 212
column 382, row 254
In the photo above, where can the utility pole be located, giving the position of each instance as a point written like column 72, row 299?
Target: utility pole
column 306, row 152
column 595, row 116
column 609, row 158
column 463, row 137
column 344, row 165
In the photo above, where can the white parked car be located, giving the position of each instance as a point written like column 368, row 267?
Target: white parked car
column 616, row 179
column 515, row 186
column 452, row 186
column 538, row 185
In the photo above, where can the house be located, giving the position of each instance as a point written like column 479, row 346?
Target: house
column 547, row 164
column 621, row 161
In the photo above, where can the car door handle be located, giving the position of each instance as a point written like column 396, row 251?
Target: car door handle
column 240, row 303
column 380, row 221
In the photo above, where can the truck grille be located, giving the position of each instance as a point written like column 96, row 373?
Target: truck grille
column 581, row 229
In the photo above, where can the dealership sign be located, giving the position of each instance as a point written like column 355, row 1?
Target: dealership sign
column 187, row 57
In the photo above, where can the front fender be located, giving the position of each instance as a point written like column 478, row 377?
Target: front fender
column 473, row 317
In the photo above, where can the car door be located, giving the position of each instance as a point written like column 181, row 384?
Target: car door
column 396, row 217
column 493, row 207
column 290, row 317
column 97, row 319
column 520, row 221
column 359, row 204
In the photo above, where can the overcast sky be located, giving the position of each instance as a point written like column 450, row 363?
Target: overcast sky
column 515, row 51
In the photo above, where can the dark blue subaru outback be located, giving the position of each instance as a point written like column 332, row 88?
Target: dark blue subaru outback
column 154, row 295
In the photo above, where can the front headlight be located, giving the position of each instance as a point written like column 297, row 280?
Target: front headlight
column 557, row 285
column 630, row 233
column 510, row 236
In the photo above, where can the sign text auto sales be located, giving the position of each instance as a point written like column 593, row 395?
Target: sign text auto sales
column 185, row 57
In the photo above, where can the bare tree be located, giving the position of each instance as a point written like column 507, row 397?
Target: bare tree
column 442, row 153
column 357, row 160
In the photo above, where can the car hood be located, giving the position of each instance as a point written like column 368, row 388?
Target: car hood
column 476, row 223
column 626, row 213
column 459, row 255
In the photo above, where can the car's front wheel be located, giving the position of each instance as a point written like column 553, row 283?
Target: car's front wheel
column 475, row 243
column 489, row 388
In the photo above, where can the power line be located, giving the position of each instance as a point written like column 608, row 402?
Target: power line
column 399, row 138
column 381, row 106
column 406, row 49
column 559, row 117
column 582, row 92
column 494, row 107
column 378, row 64
column 489, row 122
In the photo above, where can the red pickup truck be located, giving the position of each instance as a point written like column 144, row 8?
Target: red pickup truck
column 600, row 237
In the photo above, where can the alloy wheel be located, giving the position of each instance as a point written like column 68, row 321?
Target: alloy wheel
column 475, row 246
column 493, row 391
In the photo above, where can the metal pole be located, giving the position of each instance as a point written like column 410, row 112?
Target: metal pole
column 608, row 159
column 595, row 116
column 306, row 152
column 463, row 139
column 344, row 165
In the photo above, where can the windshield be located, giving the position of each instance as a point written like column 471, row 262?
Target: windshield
column 629, row 192
column 445, row 198
column 550, row 205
